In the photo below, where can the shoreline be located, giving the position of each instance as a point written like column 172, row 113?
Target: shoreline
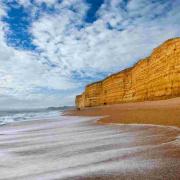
column 73, row 147
column 161, row 112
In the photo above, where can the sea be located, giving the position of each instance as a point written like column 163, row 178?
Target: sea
column 10, row 116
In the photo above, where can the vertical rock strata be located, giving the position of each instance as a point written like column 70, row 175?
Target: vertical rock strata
column 153, row 78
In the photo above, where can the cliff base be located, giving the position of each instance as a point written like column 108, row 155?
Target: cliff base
column 163, row 112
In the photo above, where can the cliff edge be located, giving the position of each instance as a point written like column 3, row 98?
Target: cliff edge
column 153, row 78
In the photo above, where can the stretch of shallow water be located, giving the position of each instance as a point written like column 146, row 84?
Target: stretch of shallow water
column 77, row 148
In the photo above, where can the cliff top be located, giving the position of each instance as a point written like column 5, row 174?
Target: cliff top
column 139, row 61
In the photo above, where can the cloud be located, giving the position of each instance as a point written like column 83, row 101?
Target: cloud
column 98, row 47
column 21, row 72
column 72, row 51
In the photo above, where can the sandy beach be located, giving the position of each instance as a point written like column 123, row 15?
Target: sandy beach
column 79, row 148
column 163, row 112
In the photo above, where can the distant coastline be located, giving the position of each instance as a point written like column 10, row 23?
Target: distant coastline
column 60, row 108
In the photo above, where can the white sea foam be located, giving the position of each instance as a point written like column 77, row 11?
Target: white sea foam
column 17, row 116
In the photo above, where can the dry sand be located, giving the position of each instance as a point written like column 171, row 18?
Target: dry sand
column 164, row 112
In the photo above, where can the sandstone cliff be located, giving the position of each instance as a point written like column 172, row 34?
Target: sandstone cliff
column 155, row 77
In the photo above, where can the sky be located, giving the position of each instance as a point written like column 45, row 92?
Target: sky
column 50, row 49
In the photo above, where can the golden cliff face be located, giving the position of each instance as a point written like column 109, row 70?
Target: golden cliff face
column 156, row 77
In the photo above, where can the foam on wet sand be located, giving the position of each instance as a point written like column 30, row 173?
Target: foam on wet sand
column 76, row 147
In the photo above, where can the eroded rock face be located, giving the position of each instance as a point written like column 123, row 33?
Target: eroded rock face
column 155, row 77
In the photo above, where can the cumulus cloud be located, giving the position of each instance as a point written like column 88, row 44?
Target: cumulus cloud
column 70, row 49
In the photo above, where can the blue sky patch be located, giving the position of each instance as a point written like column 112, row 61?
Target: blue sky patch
column 18, row 21
column 94, row 6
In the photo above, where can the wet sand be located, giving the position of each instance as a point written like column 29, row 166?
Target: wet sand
column 163, row 112
column 79, row 148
